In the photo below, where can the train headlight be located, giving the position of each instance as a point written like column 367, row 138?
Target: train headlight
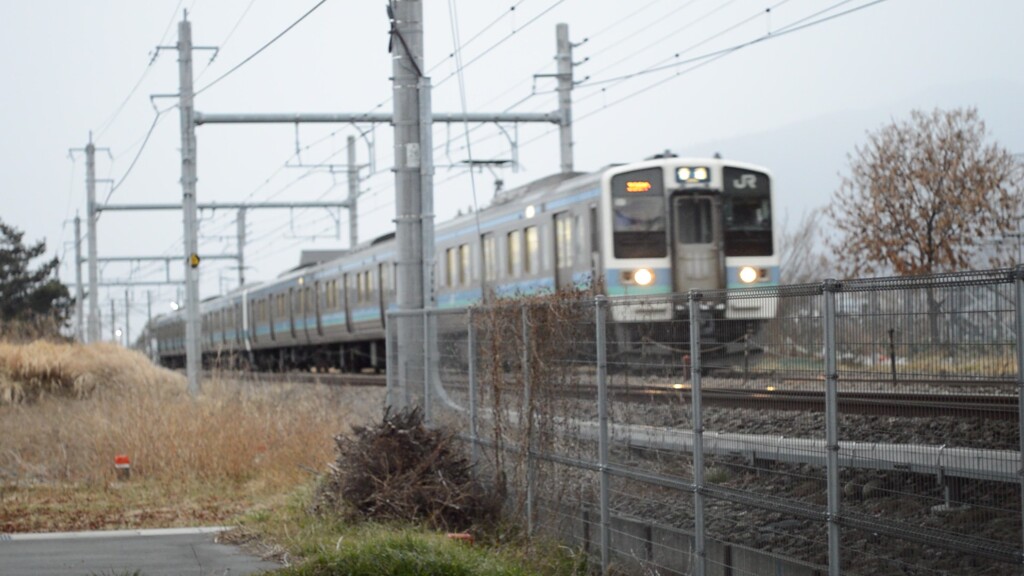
column 692, row 174
column 643, row 276
column 748, row 274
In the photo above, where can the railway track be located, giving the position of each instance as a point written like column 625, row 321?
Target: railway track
column 903, row 404
column 329, row 379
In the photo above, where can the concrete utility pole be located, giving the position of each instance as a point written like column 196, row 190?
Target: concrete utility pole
column 90, row 187
column 407, row 65
column 565, row 84
column 79, row 291
column 193, row 359
column 353, row 193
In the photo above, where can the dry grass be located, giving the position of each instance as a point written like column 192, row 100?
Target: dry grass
column 69, row 409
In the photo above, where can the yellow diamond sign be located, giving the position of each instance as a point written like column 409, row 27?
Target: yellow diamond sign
column 193, row 260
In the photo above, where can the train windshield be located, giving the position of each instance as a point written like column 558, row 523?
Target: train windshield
column 746, row 211
column 638, row 214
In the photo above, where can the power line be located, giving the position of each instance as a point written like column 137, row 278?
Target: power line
column 674, row 32
column 156, row 120
column 501, row 41
column 479, row 33
column 261, row 48
column 224, row 42
column 110, row 121
column 715, row 55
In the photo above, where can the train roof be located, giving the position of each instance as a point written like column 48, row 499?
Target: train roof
column 546, row 183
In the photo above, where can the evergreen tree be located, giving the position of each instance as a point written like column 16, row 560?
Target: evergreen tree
column 28, row 295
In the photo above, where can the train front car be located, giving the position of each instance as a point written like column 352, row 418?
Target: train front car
column 678, row 224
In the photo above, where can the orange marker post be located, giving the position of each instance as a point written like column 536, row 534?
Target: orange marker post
column 123, row 465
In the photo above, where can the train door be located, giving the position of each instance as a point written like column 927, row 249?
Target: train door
column 488, row 265
column 563, row 250
column 696, row 243
column 317, row 290
column 307, row 310
column 254, row 319
column 272, row 315
column 348, row 299
column 292, row 311
column 382, row 276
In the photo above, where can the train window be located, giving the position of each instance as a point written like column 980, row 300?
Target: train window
column 370, row 284
column 514, row 248
column 449, row 272
column 638, row 214
column 490, row 258
column 385, row 277
column 579, row 248
column 746, row 213
column 532, row 255
column 464, row 269
column 563, row 241
column 693, row 221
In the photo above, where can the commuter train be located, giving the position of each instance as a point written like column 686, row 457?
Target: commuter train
column 658, row 227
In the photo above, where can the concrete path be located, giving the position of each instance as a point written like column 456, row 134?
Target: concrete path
column 171, row 552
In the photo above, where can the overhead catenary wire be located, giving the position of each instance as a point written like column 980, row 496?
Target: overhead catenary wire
column 479, row 34
column 454, row 16
column 799, row 24
column 706, row 59
column 788, row 29
column 227, row 38
column 501, row 41
column 471, row 142
column 268, row 44
column 120, row 181
column 145, row 72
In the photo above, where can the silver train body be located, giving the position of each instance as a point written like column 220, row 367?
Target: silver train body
column 648, row 229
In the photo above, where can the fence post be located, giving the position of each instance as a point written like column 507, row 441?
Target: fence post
column 471, row 353
column 1018, row 283
column 426, row 367
column 699, row 537
column 528, row 413
column 829, row 289
column 601, row 310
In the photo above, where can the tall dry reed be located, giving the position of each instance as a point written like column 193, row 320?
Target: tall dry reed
column 69, row 409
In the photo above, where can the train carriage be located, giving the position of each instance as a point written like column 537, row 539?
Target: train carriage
column 647, row 230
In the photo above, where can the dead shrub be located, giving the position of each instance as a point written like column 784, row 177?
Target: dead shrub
column 399, row 470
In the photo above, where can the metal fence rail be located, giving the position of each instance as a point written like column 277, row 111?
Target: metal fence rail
column 856, row 427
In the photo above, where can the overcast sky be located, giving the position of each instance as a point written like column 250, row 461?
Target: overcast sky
column 796, row 102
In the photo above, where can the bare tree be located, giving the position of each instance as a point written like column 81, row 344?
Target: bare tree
column 800, row 254
column 926, row 195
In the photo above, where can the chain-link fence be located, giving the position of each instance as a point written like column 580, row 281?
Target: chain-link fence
column 858, row 427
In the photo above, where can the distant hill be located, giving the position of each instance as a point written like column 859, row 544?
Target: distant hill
column 807, row 157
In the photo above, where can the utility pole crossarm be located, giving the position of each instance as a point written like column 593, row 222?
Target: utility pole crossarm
column 226, row 206
column 109, row 283
column 375, row 118
column 163, row 258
